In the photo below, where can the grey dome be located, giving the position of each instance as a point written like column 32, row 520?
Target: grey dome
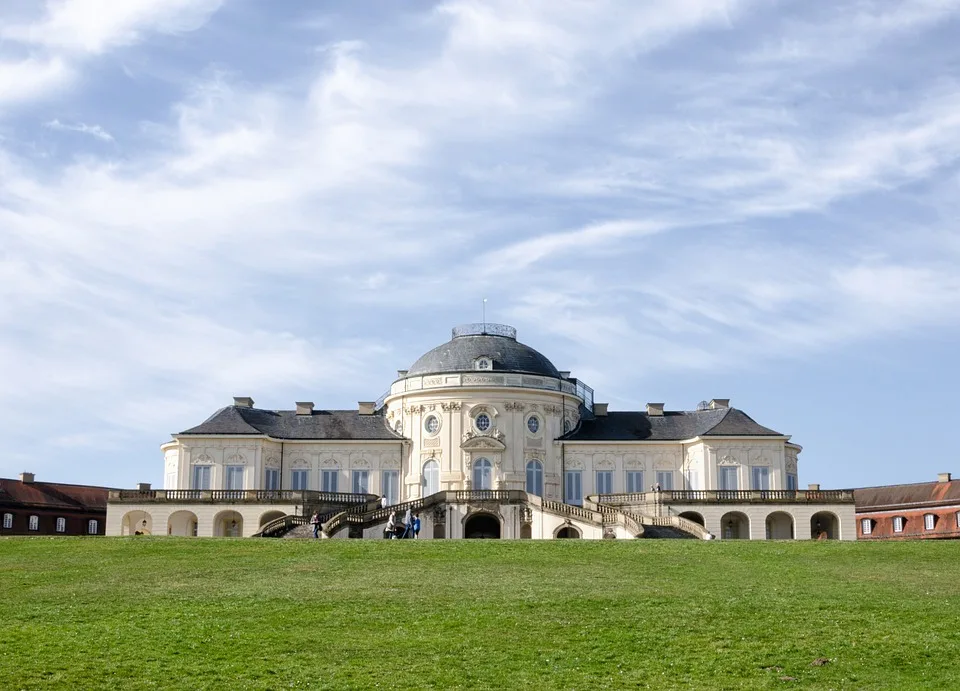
column 497, row 342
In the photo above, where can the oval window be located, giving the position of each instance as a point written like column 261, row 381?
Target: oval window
column 432, row 424
column 482, row 422
column 533, row 424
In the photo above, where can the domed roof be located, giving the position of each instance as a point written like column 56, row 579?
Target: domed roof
column 474, row 341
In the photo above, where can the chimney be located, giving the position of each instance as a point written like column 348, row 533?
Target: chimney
column 401, row 373
column 813, row 487
column 304, row 408
column 367, row 407
column 565, row 375
column 943, row 477
column 655, row 409
column 719, row 403
column 242, row 402
column 143, row 486
column 26, row 477
column 600, row 409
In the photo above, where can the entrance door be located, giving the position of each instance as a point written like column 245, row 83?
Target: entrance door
column 482, row 526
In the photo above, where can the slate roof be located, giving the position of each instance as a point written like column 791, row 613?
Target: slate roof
column 459, row 354
column 286, row 424
column 671, row 426
column 53, row 495
column 916, row 495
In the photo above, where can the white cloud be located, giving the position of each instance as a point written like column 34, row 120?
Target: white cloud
column 94, row 131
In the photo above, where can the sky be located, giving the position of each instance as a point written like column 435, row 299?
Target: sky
column 677, row 200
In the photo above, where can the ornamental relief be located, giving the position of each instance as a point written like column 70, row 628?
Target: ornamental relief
column 202, row 459
column 551, row 409
column 575, row 464
column 432, row 443
column 727, row 459
column 604, row 464
column 236, row 459
column 272, row 462
column 514, row 406
column 329, row 463
column 390, row 464
column 452, row 405
column 633, row 461
column 532, row 456
column 300, row 463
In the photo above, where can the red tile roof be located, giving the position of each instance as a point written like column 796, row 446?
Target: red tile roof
column 921, row 494
column 53, row 495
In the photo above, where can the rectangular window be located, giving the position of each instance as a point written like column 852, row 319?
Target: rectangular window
column 8, row 520
column 34, row 523
column 791, row 482
column 93, row 526
column 728, row 478
column 299, row 479
column 665, row 480
column 61, row 525
column 573, row 487
column 201, row 477
column 390, row 486
column 692, row 478
column 898, row 524
column 635, row 481
column 604, row 482
column 360, row 482
column 234, row 478
column 928, row 521
column 170, row 481
column 272, row 479
column 761, row 477
column 329, row 481
column 866, row 526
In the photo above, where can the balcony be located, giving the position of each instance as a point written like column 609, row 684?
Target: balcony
column 723, row 496
column 234, row 496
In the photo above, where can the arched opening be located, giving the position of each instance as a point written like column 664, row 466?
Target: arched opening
column 430, row 479
column 824, row 526
column 567, row 532
column 693, row 516
column 535, row 477
column 182, row 524
column 780, row 526
column 735, row 526
column 228, row 524
column 270, row 516
column 482, row 474
column 482, row 526
column 137, row 523
column 526, row 532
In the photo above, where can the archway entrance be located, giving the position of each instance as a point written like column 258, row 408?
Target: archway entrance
column 568, row 532
column 182, row 523
column 693, row 516
column 779, row 526
column 735, row 526
column 137, row 523
column 228, row 524
column 824, row 526
column 482, row 526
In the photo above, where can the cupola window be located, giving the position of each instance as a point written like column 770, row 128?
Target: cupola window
column 482, row 422
column 432, row 424
column 483, row 363
column 533, row 424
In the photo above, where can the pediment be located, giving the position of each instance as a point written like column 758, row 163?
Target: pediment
column 482, row 444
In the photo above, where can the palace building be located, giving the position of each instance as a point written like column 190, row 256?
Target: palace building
column 484, row 437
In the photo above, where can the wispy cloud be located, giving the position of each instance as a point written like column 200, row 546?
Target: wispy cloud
column 94, row 131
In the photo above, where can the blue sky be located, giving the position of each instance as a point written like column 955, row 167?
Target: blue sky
column 677, row 200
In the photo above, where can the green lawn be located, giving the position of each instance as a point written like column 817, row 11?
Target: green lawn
column 144, row 613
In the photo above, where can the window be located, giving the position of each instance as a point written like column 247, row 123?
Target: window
column 635, row 481
column 535, row 478
column 791, row 482
column 272, row 479
column 360, row 482
column 483, row 363
column 958, row 519
column 866, row 526
column 573, row 487
column 170, row 481
column 898, row 523
column 761, row 477
column 604, row 482
column 7, row 521
column 482, row 421
column 390, row 485
column 533, row 424
column 929, row 520
column 234, row 477
column 728, row 478
column 201, row 477
column 692, row 478
column 398, row 426
column 432, row 424
column 93, row 526
column 482, row 474
column 329, row 479
column 34, row 523
column 431, row 478
column 61, row 525
column 300, row 479
column 665, row 480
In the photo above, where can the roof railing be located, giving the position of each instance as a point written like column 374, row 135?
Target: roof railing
column 485, row 329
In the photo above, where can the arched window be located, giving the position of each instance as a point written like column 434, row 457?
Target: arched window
column 535, row 478
column 482, row 474
column 61, row 525
column 93, row 526
column 431, row 478
column 34, row 523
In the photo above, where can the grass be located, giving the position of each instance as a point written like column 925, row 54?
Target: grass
column 148, row 613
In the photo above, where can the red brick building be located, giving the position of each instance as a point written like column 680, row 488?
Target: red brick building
column 921, row 511
column 28, row 507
